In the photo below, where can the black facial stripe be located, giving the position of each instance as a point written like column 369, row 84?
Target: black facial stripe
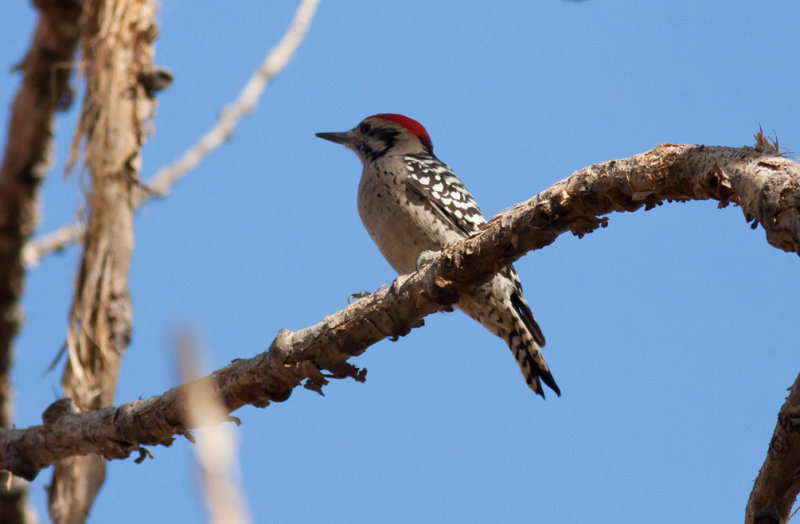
column 382, row 138
column 385, row 135
column 368, row 151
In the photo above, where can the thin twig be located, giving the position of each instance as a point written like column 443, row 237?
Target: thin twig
column 58, row 240
column 160, row 184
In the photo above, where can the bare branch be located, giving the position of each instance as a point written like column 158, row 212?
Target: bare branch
column 58, row 240
column 762, row 182
column 244, row 104
column 44, row 90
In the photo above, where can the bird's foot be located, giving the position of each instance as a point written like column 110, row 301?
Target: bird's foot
column 425, row 258
column 355, row 296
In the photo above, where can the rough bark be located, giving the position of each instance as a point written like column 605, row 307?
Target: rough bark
column 45, row 89
column 777, row 484
column 117, row 51
column 758, row 179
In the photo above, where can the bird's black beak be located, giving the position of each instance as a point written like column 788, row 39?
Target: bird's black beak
column 339, row 138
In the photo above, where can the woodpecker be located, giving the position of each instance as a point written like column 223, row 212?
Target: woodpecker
column 411, row 202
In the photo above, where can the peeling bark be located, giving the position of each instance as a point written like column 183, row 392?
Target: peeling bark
column 762, row 182
column 45, row 89
column 117, row 50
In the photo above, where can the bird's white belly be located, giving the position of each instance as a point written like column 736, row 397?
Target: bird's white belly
column 401, row 229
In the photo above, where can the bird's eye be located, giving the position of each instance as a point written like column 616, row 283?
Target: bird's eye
column 364, row 128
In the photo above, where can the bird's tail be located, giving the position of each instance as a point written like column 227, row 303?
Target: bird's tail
column 529, row 357
column 500, row 306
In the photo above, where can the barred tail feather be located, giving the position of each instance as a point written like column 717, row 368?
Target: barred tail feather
column 501, row 308
column 530, row 359
column 527, row 316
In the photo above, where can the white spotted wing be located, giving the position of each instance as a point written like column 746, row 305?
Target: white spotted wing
column 435, row 182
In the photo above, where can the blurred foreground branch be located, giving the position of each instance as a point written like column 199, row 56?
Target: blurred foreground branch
column 759, row 179
column 45, row 89
column 245, row 103
column 215, row 444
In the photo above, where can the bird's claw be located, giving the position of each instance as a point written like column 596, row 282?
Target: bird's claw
column 425, row 258
column 355, row 296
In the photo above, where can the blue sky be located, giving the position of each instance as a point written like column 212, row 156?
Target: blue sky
column 671, row 332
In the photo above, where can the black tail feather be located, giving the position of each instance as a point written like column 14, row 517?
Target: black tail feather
column 537, row 373
column 527, row 317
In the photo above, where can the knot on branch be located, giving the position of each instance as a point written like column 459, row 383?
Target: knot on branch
column 58, row 409
column 768, row 516
column 545, row 213
column 20, row 467
column 620, row 199
column 443, row 291
column 719, row 186
column 154, row 79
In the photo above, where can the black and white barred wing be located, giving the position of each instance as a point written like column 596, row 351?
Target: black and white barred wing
column 435, row 182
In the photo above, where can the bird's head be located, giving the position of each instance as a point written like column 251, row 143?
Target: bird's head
column 382, row 134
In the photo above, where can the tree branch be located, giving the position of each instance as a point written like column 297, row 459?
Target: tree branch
column 758, row 179
column 777, row 484
column 46, row 68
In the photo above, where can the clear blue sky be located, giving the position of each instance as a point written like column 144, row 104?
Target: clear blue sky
column 672, row 333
